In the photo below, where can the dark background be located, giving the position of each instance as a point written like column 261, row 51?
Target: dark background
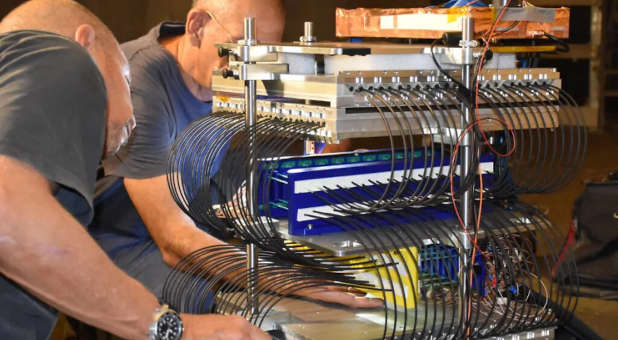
column 129, row 19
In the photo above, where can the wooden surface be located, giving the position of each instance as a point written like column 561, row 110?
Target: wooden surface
column 370, row 22
column 601, row 315
column 568, row 3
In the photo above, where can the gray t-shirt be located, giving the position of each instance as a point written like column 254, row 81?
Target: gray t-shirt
column 52, row 113
column 162, row 103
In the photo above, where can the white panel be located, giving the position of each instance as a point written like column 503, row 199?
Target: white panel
column 351, row 181
column 299, row 63
column 387, row 22
column 390, row 62
column 334, row 64
column 428, row 22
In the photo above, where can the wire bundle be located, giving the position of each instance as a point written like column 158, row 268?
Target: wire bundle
column 412, row 250
column 504, row 291
column 542, row 120
column 412, row 245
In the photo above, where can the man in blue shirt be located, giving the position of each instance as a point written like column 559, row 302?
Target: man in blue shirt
column 137, row 221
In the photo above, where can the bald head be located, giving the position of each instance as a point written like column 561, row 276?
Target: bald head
column 219, row 21
column 63, row 17
column 72, row 20
column 269, row 14
column 255, row 4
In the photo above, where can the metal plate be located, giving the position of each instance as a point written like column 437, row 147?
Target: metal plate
column 301, row 319
column 345, row 244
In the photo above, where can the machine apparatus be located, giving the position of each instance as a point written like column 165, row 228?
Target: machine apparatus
column 425, row 221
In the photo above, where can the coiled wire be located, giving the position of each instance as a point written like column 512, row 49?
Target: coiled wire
column 412, row 245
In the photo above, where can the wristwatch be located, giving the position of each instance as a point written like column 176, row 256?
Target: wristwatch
column 166, row 325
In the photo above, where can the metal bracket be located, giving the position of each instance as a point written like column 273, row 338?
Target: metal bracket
column 454, row 55
column 468, row 43
column 261, row 71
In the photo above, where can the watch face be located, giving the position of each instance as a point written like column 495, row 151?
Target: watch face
column 169, row 327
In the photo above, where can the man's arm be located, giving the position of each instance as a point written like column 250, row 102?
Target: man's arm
column 177, row 236
column 47, row 252
column 172, row 230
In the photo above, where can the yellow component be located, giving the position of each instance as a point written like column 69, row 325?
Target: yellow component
column 406, row 260
column 455, row 12
column 527, row 4
column 222, row 99
column 523, row 49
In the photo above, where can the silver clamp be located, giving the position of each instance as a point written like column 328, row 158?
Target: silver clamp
column 468, row 43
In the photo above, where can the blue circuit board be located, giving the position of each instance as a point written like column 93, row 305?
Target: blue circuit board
column 306, row 190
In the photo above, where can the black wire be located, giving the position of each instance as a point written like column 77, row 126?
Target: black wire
column 467, row 94
column 561, row 45
column 395, row 221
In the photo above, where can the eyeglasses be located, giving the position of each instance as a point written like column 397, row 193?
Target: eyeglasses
column 214, row 18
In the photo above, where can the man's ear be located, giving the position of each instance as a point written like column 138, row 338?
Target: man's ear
column 85, row 35
column 196, row 21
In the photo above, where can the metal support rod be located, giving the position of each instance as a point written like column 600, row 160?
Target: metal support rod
column 467, row 148
column 250, row 35
column 309, row 145
column 308, row 36
column 308, row 29
column 500, row 3
column 250, row 121
column 252, row 277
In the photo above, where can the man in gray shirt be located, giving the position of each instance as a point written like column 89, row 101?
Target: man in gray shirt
column 137, row 221
column 66, row 104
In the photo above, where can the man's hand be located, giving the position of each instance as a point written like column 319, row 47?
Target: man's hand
column 220, row 327
column 237, row 206
column 344, row 296
column 177, row 236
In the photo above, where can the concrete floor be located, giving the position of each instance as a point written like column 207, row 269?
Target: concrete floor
column 600, row 315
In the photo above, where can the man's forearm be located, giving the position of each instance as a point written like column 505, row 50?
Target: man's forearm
column 177, row 236
column 47, row 252
column 173, row 231
column 183, row 239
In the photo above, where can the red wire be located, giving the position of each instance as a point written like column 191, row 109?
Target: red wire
column 493, row 150
column 478, row 226
column 480, row 68
column 478, row 220
column 453, row 161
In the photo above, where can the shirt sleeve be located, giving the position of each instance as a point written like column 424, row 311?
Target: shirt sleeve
column 146, row 154
column 52, row 112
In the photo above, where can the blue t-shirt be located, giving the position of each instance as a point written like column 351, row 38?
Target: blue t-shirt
column 163, row 107
column 163, row 104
